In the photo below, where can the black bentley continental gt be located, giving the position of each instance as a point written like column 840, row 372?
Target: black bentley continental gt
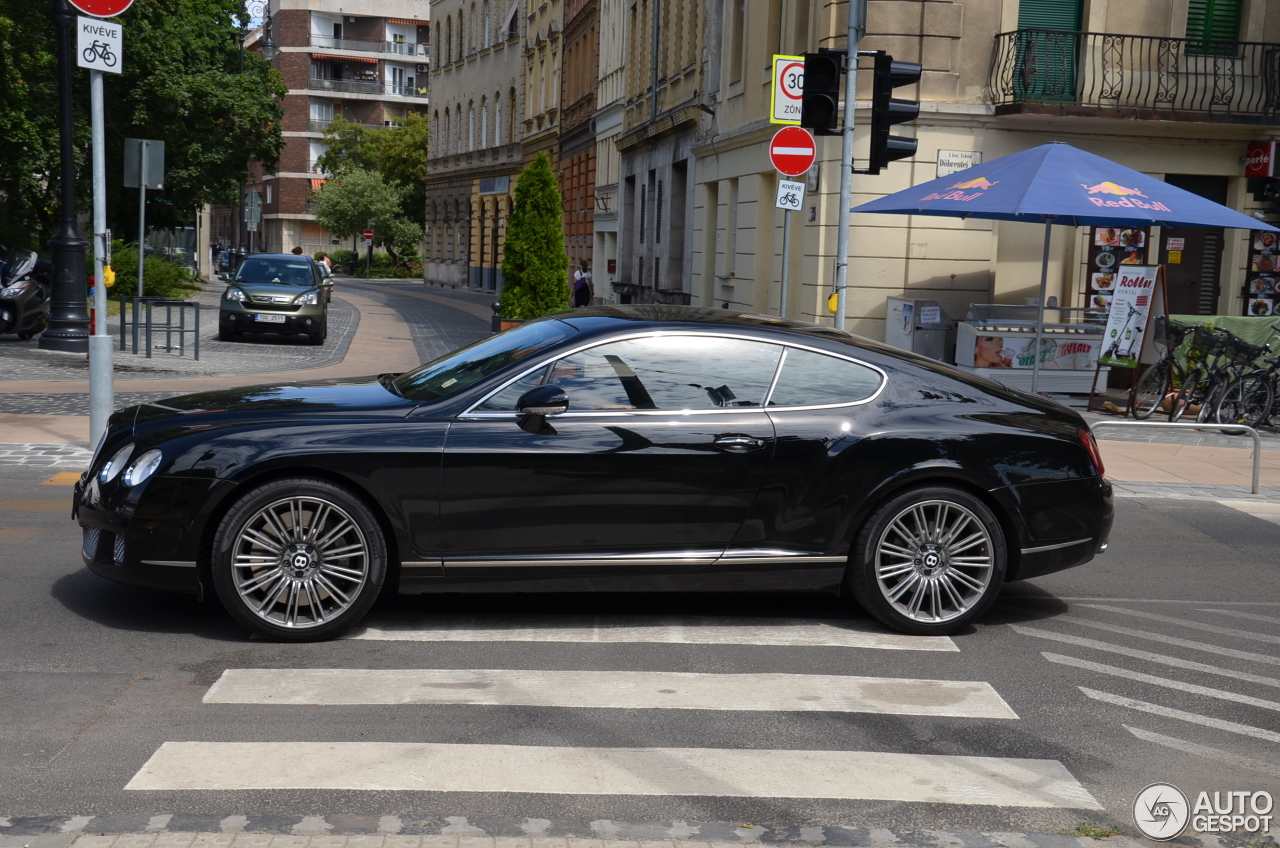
column 630, row 448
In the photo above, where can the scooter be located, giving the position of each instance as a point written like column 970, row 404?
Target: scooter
column 24, row 294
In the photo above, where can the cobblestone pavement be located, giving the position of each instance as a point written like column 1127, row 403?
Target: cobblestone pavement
column 1194, row 491
column 51, row 456
column 68, row 403
column 435, row 330
column 393, row 831
column 24, row 361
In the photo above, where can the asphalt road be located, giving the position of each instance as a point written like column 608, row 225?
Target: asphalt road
column 95, row 678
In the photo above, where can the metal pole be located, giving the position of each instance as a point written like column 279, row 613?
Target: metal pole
column 1234, row 428
column 101, row 390
column 786, row 262
column 69, row 316
column 1044, row 283
column 142, row 209
column 857, row 26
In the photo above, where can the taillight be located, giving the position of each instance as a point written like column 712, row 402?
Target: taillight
column 1091, row 445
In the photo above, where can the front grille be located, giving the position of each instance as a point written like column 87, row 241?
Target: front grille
column 274, row 307
column 91, row 537
column 118, row 553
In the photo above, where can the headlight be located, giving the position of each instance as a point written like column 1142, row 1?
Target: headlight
column 142, row 468
column 115, row 463
column 308, row 299
column 14, row 290
column 234, row 294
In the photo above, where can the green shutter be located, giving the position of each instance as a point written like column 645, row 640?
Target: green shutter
column 1218, row 20
column 1050, row 14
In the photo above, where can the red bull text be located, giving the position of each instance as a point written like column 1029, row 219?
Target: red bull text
column 1128, row 197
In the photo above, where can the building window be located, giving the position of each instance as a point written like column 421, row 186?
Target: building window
column 642, row 210
column 497, row 119
column 1215, row 20
column 657, row 215
column 268, row 192
column 739, row 8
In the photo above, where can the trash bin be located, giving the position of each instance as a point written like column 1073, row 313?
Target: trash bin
column 920, row 326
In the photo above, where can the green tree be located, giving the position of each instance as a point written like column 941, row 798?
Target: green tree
column 348, row 202
column 181, row 84
column 534, row 261
column 399, row 153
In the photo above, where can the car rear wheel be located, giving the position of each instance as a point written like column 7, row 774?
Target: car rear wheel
column 298, row 560
column 928, row 561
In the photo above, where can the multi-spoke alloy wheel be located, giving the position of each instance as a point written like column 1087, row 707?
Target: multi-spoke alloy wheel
column 929, row 561
column 298, row 562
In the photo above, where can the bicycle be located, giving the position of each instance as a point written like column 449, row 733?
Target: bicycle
column 100, row 50
column 1250, row 399
column 1153, row 386
column 1226, row 359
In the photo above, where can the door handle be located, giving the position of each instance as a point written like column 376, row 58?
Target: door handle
column 738, row 444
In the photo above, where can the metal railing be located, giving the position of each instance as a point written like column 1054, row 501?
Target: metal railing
column 321, row 126
column 1165, row 425
column 367, row 87
column 399, row 48
column 147, row 325
column 1136, row 75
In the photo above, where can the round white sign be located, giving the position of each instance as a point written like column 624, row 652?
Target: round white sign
column 1161, row 811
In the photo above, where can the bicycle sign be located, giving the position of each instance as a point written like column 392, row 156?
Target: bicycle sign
column 99, row 45
column 790, row 195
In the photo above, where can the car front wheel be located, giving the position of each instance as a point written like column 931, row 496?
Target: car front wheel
column 928, row 561
column 298, row 560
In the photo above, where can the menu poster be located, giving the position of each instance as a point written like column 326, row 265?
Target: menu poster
column 1109, row 249
column 1127, row 322
column 1262, row 278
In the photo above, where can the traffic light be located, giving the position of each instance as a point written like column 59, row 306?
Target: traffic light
column 820, row 103
column 887, row 110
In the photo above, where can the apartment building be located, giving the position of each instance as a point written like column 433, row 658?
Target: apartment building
column 477, row 87
column 577, row 143
column 363, row 60
column 543, row 54
column 1173, row 88
column 608, row 124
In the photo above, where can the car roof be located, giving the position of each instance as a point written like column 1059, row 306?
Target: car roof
column 603, row 317
column 279, row 256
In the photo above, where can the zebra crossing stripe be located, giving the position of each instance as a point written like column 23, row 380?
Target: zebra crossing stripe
column 1194, row 625
column 611, row 689
column 1195, row 689
column 1205, row 751
column 1182, row 715
column 434, row 767
column 803, row 633
column 1247, row 656
column 1269, row 619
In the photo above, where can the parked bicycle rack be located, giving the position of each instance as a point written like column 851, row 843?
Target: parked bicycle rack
column 1164, row 425
column 148, row 325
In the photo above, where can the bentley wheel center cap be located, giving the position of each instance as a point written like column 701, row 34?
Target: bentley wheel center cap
column 300, row 559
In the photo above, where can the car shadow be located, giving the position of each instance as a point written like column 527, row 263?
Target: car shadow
column 1023, row 601
column 141, row 610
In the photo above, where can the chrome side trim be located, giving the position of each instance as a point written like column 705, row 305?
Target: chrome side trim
column 640, row 560
column 779, row 560
column 435, row 563
column 1044, row 548
column 884, row 379
column 173, row 563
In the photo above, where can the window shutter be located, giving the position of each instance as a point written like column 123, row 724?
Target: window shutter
column 1050, row 14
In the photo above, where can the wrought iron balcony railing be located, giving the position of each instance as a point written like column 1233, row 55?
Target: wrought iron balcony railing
column 399, row 48
column 1137, row 76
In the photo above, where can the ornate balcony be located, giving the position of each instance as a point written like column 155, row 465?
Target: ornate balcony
column 1093, row 74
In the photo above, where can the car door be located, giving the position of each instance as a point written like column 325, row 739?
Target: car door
column 653, row 467
column 822, row 412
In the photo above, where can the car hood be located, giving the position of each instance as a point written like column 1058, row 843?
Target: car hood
column 259, row 291
column 353, row 394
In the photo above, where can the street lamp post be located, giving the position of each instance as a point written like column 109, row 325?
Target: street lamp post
column 68, row 315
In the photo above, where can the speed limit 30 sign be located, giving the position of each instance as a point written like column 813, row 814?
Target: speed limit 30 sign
column 788, row 89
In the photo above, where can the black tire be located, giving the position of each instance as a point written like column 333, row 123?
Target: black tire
column 1193, row 385
column 340, row 575
column 225, row 335
column 318, row 337
column 881, row 572
column 1153, row 385
column 1246, row 401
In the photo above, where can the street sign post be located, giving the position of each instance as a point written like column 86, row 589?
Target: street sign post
column 787, row 90
column 98, row 45
column 793, row 151
column 143, row 169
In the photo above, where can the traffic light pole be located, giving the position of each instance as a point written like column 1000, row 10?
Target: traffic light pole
column 857, row 27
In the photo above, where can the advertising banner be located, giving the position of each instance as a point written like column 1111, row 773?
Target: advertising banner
column 1134, row 288
column 1019, row 352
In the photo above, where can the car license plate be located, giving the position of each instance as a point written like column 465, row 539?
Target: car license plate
column 269, row 319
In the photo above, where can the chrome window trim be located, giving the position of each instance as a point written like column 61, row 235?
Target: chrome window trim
column 884, row 380
column 1056, row 547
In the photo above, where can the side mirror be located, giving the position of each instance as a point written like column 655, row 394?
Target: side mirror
column 224, row 276
column 544, row 401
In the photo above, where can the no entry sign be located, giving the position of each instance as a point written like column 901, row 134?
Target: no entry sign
column 368, row 235
column 102, row 8
column 792, row 151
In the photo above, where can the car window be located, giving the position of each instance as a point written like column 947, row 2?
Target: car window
column 505, row 400
column 657, row 372
column 289, row 272
column 815, row 379
column 465, row 366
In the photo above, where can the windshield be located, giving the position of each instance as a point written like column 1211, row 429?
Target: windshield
column 276, row 271
column 20, row 263
column 466, row 366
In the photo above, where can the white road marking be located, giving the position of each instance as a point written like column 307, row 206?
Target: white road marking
column 611, row 690
column 430, row 767
column 801, row 633
column 1204, row 751
column 1266, row 510
column 1176, row 662
column 75, row 824
column 1269, row 619
column 1170, row 712
column 1248, row 656
column 1207, row 691
column 1194, row 625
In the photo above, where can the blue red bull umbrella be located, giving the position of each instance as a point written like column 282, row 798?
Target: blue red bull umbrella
column 1058, row 184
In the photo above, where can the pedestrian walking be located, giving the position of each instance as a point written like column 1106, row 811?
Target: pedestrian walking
column 583, row 291
column 297, row 251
